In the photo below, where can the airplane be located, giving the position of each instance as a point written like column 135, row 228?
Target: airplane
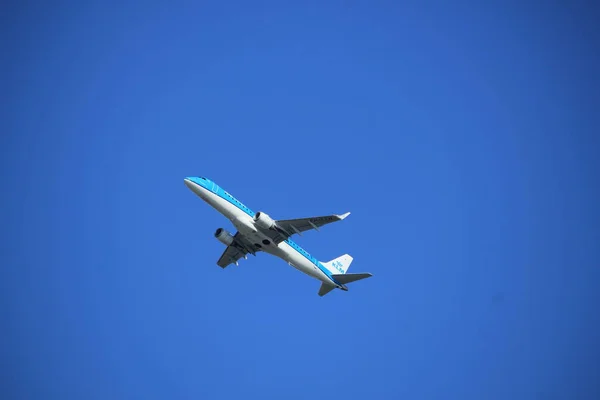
column 258, row 232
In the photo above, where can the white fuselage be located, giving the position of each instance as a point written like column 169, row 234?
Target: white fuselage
column 246, row 226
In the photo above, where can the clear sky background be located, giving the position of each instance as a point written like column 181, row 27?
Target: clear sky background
column 463, row 138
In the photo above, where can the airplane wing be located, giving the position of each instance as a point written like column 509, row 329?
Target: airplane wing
column 292, row 226
column 237, row 250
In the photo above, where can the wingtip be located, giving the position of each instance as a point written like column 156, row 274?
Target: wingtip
column 344, row 215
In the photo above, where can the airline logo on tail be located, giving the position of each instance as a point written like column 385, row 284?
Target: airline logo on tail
column 338, row 266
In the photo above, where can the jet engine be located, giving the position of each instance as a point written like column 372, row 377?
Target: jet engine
column 224, row 237
column 263, row 220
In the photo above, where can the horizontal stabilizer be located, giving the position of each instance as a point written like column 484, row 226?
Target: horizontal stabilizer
column 325, row 288
column 347, row 278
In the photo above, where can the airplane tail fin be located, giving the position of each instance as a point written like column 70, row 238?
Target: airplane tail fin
column 339, row 265
column 338, row 268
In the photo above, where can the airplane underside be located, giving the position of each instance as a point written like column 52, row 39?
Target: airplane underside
column 258, row 232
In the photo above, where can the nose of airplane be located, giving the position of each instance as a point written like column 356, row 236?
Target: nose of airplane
column 188, row 182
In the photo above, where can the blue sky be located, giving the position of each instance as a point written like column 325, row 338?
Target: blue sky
column 463, row 138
